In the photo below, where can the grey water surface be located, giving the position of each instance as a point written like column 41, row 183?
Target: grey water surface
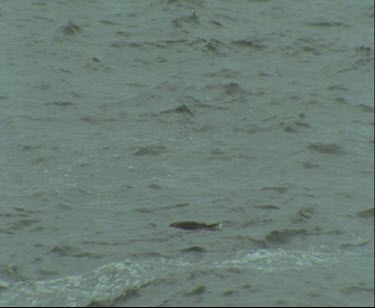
column 120, row 118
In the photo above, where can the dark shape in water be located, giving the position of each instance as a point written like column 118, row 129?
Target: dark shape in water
column 194, row 249
column 71, row 28
column 182, row 108
column 193, row 225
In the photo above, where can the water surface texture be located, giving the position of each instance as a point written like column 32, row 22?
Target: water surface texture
column 120, row 118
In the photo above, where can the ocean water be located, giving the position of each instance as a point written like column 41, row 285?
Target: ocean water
column 118, row 118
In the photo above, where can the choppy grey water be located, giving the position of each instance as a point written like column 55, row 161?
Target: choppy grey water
column 118, row 118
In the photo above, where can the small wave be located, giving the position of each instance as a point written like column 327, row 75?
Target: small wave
column 114, row 280
column 105, row 283
column 278, row 260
